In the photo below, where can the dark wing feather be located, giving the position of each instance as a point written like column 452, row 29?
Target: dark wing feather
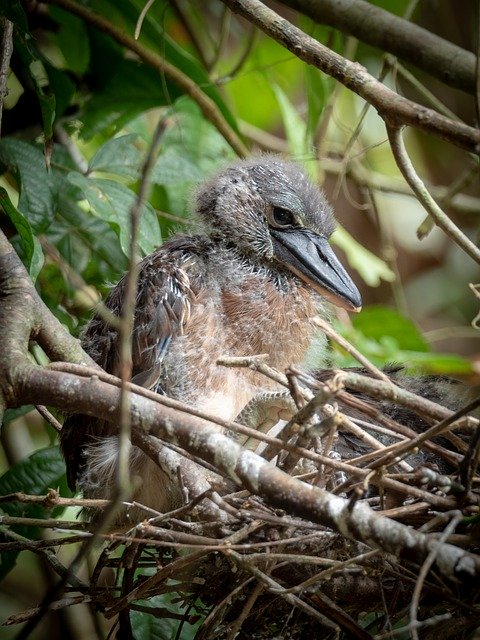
column 169, row 280
column 163, row 310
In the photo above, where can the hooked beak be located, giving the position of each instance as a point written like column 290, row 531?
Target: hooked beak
column 310, row 257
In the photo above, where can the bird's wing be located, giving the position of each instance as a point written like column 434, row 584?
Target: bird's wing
column 163, row 310
column 167, row 286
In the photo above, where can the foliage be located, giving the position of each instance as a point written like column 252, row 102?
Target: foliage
column 78, row 124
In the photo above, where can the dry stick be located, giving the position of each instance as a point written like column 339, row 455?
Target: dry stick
column 270, row 583
column 386, row 184
column 58, row 604
column 49, row 556
column 379, row 389
column 247, row 607
column 425, row 568
column 327, row 573
column 125, row 333
column 209, row 109
column 45, row 413
column 355, row 77
column 441, row 219
column 435, row 500
column 404, row 447
column 349, row 348
column 171, row 569
column 215, row 612
column 429, row 97
column 248, row 469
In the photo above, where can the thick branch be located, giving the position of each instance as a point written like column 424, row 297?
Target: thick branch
column 358, row 521
column 23, row 314
column 371, row 24
column 390, row 106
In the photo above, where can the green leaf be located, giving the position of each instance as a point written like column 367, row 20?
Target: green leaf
column 295, row 127
column 156, row 37
column 122, row 156
column 38, row 191
column 43, row 470
column 148, row 626
column 72, row 38
column 372, row 269
column 113, row 202
column 33, row 254
column 12, row 414
column 448, row 364
column 192, row 147
column 377, row 321
column 34, row 64
column 132, row 89
column 317, row 88
column 13, row 11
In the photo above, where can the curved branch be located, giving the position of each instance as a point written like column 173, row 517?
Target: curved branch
column 390, row 106
column 371, row 24
column 440, row 217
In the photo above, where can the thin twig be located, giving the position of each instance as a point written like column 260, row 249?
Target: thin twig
column 430, row 559
column 418, row 187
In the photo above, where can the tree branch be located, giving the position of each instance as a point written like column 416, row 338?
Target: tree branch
column 359, row 522
column 371, row 24
column 440, row 217
column 390, row 106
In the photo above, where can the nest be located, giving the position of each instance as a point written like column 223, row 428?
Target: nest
column 230, row 564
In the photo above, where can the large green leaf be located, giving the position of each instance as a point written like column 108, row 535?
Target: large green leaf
column 35, row 66
column 154, row 35
column 377, row 321
column 53, row 87
column 113, row 202
column 295, row 127
column 38, row 190
column 32, row 251
column 13, row 10
column 369, row 266
column 43, row 470
column 122, row 156
column 72, row 39
column 192, row 147
column 132, row 89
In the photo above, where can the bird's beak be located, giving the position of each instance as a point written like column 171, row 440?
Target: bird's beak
column 310, row 257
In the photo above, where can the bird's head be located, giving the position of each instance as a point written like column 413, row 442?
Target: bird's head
column 268, row 211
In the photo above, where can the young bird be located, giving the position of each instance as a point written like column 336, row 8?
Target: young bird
column 251, row 282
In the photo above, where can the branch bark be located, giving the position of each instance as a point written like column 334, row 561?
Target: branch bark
column 358, row 521
column 371, row 24
column 390, row 106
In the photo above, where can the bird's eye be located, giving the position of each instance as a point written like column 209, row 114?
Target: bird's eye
column 282, row 217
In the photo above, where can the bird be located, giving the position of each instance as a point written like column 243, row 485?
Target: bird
column 250, row 281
